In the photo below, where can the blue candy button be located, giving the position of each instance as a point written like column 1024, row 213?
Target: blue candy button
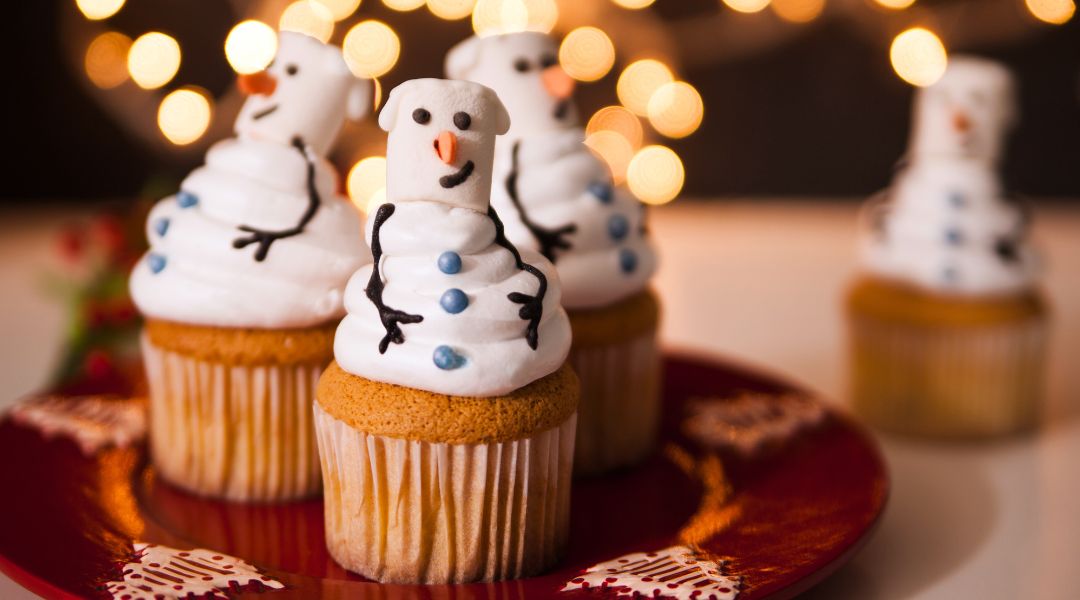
column 186, row 199
column 601, row 190
column 156, row 262
column 454, row 301
column 161, row 226
column 450, row 262
column 617, row 227
column 447, row 359
column 627, row 260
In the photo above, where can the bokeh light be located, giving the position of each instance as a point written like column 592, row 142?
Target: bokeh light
column 184, row 115
column 451, row 10
column 403, row 5
column 1055, row 12
column 676, row 109
column 614, row 150
column 639, row 81
column 895, row 4
column 798, row 11
column 106, row 59
column 587, row 54
column 506, row 16
column 656, row 175
column 634, row 4
column 250, row 46
column 371, row 48
column 339, row 9
column 619, row 120
column 918, row 56
column 366, row 180
column 308, row 18
column 153, row 60
column 747, row 6
column 96, row 10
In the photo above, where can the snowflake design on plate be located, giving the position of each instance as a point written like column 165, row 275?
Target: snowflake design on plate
column 750, row 420
column 92, row 422
column 162, row 572
column 676, row 572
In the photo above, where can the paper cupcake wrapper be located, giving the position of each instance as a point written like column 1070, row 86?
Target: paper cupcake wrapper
column 620, row 403
column 239, row 432
column 948, row 381
column 402, row 511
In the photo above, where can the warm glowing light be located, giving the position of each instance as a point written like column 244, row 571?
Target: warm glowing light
column 918, row 57
column 371, row 49
column 339, row 9
column 614, row 150
column 451, row 10
column 1052, row 11
column 506, row 16
column 798, row 11
column 106, row 59
column 308, row 18
column 250, row 46
column 96, row 10
column 675, row 110
column 634, row 4
column 378, row 94
column 403, row 5
column 619, row 120
column 639, row 81
column 366, row 182
column 587, row 54
column 747, row 6
column 895, row 4
column 655, row 175
column 184, row 115
column 153, row 60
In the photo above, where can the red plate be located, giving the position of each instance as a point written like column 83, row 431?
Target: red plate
column 792, row 517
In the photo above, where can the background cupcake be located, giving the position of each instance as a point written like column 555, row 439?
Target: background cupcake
column 947, row 326
column 446, row 426
column 557, row 198
column 242, row 286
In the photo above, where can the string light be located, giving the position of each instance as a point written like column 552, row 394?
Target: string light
column 747, row 6
column 371, row 48
column 587, row 54
column 451, row 10
column 618, row 120
column 918, row 56
column 403, row 5
column 96, row 10
column 153, row 60
column 339, row 9
column 614, row 150
column 250, row 46
column 639, row 81
column 655, row 175
column 1055, row 12
column 367, row 178
column 895, row 4
column 184, row 115
column 106, row 59
column 798, row 11
column 676, row 109
column 309, row 18
column 634, row 4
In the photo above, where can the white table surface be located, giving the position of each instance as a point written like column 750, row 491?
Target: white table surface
column 761, row 282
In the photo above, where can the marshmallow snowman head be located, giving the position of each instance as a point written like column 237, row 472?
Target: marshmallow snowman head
column 307, row 92
column 523, row 68
column 967, row 113
column 442, row 142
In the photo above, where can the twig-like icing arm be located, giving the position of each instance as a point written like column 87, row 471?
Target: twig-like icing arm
column 548, row 239
column 391, row 318
column 532, row 307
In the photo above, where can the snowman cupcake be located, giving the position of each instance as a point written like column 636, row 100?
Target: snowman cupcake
column 557, row 198
column 948, row 328
column 446, row 424
column 242, row 287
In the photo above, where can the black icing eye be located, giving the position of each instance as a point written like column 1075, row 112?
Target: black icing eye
column 292, row 69
column 421, row 116
column 521, row 65
column 462, row 120
column 548, row 60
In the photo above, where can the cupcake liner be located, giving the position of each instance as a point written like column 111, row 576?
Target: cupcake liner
column 620, row 403
column 404, row 511
column 239, row 432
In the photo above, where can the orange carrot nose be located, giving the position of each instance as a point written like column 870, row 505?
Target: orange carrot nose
column 446, row 147
column 261, row 83
column 961, row 122
column 557, row 82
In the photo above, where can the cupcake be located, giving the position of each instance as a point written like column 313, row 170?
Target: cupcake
column 557, row 198
column 242, row 286
column 947, row 326
column 446, row 424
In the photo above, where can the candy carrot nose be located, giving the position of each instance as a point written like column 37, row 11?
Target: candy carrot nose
column 557, row 82
column 446, row 147
column 261, row 83
column 961, row 122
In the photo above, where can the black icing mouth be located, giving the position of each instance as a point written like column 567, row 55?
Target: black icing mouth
column 561, row 109
column 262, row 113
column 456, row 179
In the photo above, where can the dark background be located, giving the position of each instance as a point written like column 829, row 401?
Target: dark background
column 822, row 114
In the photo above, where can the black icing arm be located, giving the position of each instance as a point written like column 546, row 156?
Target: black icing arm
column 548, row 239
column 391, row 318
column 265, row 238
column 532, row 307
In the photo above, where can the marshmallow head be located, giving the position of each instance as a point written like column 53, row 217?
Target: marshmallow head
column 307, row 92
column 967, row 113
column 442, row 142
column 524, row 71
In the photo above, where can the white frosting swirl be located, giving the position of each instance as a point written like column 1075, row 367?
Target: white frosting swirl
column 559, row 183
column 193, row 274
column 488, row 334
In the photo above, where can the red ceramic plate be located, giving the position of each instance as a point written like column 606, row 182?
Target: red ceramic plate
column 780, row 521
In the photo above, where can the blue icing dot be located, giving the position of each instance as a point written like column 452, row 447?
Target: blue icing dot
column 186, row 199
column 447, row 359
column 161, row 226
column 454, row 301
column 450, row 262
column 954, row 237
column 601, row 190
column 156, row 262
column 627, row 260
column 617, row 227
